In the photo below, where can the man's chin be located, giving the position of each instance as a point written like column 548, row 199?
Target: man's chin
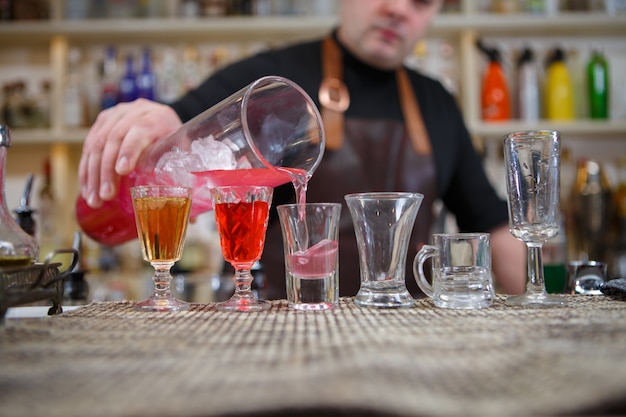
column 385, row 61
column 387, row 53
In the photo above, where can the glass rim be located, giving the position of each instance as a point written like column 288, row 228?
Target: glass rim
column 241, row 187
column 161, row 186
column 463, row 235
column 311, row 204
column 383, row 195
column 527, row 134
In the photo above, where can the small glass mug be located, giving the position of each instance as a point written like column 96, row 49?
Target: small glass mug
column 461, row 271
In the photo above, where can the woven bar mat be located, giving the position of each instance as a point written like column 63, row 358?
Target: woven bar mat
column 109, row 360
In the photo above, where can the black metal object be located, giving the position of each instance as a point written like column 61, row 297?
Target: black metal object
column 37, row 282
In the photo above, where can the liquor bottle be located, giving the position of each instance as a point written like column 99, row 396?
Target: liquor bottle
column 24, row 212
column 555, row 261
column 109, row 93
column 169, row 80
column 495, row 97
column 128, row 82
column 528, row 87
column 74, row 101
column 598, row 86
column 617, row 260
column 590, row 208
column 47, row 235
column 190, row 71
column 559, row 93
column 146, row 80
column 76, row 288
column 17, row 248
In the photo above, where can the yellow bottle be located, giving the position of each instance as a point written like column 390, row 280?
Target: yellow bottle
column 559, row 94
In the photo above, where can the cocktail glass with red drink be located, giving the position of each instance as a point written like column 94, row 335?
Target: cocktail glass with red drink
column 241, row 215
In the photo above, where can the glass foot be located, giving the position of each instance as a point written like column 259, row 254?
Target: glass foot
column 384, row 298
column 243, row 304
column 536, row 300
column 162, row 305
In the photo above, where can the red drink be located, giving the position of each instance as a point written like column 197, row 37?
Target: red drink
column 242, row 228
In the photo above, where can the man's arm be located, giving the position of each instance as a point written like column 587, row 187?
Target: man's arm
column 508, row 256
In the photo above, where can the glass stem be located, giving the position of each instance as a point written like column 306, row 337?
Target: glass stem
column 535, row 267
column 243, row 282
column 162, row 278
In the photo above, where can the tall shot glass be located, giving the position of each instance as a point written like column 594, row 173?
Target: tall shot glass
column 532, row 165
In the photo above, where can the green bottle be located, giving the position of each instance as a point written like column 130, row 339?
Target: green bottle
column 598, row 86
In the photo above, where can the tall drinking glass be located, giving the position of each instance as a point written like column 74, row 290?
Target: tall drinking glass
column 532, row 165
column 268, row 133
column 162, row 215
column 241, row 214
column 383, row 222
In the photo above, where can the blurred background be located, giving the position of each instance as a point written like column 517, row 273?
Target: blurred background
column 63, row 61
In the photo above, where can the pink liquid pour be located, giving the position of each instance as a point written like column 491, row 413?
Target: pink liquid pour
column 320, row 259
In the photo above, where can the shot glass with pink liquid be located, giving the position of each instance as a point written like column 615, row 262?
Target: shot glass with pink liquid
column 310, row 240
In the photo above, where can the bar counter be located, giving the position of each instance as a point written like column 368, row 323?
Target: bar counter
column 106, row 359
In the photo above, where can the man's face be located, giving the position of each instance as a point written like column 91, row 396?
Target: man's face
column 383, row 32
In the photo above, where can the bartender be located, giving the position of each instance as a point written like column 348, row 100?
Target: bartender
column 388, row 128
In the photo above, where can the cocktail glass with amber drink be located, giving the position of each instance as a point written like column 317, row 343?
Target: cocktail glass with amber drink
column 241, row 214
column 161, row 215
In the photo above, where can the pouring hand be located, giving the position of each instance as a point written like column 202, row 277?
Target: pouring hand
column 115, row 142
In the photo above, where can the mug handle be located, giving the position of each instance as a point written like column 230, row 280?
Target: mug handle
column 422, row 256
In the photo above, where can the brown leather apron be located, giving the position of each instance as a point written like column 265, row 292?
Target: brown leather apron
column 362, row 155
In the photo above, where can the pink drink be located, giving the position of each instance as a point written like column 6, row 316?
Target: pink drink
column 114, row 222
column 315, row 262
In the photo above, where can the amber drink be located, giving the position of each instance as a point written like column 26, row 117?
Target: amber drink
column 161, row 216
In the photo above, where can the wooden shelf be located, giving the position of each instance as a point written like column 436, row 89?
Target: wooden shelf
column 58, row 35
column 583, row 128
column 47, row 136
column 277, row 28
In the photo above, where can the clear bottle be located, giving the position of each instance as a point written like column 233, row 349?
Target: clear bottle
column 47, row 233
column 108, row 88
column 559, row 92
column 598, row 86
column 73, row 106
column 17, row 248
column 168, row 81
column 528, row 86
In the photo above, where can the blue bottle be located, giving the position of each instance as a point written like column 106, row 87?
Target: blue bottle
column 146, row 79
column 128, row 84
column 109, row 85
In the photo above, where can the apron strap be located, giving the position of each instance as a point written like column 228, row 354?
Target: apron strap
column 335, row 99
column 333, row 94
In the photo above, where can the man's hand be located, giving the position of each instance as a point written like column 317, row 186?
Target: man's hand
column 115, row 142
